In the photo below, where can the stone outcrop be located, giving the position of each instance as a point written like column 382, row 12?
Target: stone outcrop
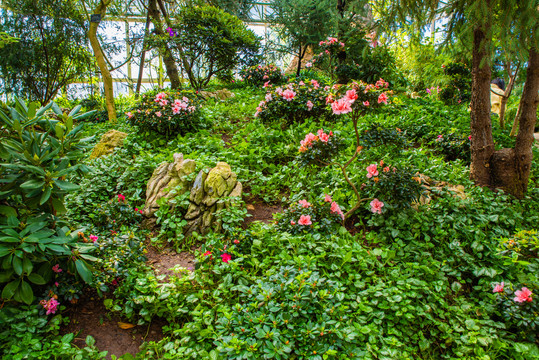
column 165, row 178
column 206, row 197
column 209, row 192
column 110, row 140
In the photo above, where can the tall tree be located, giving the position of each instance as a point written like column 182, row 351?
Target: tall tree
column 101, row 10
column 48, row 55
column 301, row 23
column 483, row 20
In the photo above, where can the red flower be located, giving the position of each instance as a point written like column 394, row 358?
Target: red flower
column 226, row 257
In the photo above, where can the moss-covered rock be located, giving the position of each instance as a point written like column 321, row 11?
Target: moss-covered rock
column 110, row 140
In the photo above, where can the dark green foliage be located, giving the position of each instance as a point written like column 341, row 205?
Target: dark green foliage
column 395, row 187
column 453, row 147
column 377, row 135
column 459, row 84
column 315, row 151
column 48, row 54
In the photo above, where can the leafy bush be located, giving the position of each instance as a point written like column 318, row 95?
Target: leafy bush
column 322, row 216
column 167, row 112
column 116, row 213
column 38, row 154
column 299, row 312
column 258, row 75
column 294, row 102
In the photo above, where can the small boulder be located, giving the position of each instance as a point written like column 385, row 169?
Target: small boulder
column 110, row 140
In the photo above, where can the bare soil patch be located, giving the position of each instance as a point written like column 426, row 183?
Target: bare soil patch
column 163, row 261
column 90, row 317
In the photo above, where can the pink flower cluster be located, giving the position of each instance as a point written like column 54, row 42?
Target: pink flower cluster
column 56, row 268
column 331, row 41
column 50, row 305
column 372, row 170
column 94, row 238
column 521, row 296
column 311, row 139
column 376, row 206
column 177, row 106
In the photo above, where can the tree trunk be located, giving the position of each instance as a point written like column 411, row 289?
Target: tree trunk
column 168, row 59
column 101, row 62
column 482, row 146
column 298, row 70
column 143, row 55
column 511, row 167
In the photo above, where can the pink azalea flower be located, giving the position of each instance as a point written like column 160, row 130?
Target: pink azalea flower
column 382, row 98
column 324, row 137
column 226, row 257
column 309, row 138
column 288, row 95
column 160, row 96
column 310, row 105
column 523, row 295
column 121, row 198
column 315, row 84
column 341, row 106
column 185, row 99
column 366, row 103
column 305, row 220
column 158, row 114
column 428, row 91
column 304, row 203
column 268, row 97
column 50, row 305
column 327, row 198
column 236, row 241
column 301, row 83
column 351, row 96
column 94, row 238
column 470, row 137
column 129, row 115
column 208, row 253
column 176, row 110
column 498, row 288
column 265, row 77
column 335, row 208
column 309, row 64
column 292, row 222
column 266, row 84
column 386, row 169
column 56, row 268
column 372, row 170
column 279, row 91
column 376, row 206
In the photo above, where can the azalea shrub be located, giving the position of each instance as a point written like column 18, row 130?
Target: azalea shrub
column 262, row 74
column 168, row 112
column 323, row 216
column 358, row 97
column 320, row 149
column 395, row 188
column 378, row 134
column 518, row 307
column 293, row 102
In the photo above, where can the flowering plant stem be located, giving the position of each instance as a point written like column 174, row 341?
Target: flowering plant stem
column 356, row 114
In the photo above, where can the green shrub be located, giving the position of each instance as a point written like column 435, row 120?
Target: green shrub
column 320, row 149
column 38, row 154
column 377, row 135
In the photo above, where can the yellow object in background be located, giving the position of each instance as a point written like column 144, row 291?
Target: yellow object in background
column 495, row 98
